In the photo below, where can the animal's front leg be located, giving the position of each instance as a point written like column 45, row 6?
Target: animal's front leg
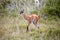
column 28, row 26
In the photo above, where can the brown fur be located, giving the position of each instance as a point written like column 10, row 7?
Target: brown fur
column 31, row 18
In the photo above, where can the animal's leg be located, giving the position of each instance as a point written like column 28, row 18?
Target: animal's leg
column 28, row 26
column 36, row 24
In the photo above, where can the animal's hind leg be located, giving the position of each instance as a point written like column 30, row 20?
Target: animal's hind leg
column 36, row 24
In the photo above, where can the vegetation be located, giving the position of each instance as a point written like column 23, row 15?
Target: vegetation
column 13, row 25
column 52, row 8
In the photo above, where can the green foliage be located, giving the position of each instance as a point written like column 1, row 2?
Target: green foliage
column 2, row 31
column 53, row 33
column 14, row 26
column 34, row 12
column 4, row 3
column 3, row 10
column 13, row 15
column 52, row 7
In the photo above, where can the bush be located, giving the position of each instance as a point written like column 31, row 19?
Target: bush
column 3, row 3
column 52, row 8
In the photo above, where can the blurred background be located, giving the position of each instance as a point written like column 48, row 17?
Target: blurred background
column 13, row 25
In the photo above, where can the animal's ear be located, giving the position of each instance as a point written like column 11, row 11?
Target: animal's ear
column 22, row 9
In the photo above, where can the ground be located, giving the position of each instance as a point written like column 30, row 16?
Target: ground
column 14, row 28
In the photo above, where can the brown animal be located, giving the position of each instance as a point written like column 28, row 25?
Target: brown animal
column 31, row 19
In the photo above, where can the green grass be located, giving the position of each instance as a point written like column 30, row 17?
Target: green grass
column 14, row 28
column 13, row 25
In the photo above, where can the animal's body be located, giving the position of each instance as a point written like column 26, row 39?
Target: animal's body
column 31, row 19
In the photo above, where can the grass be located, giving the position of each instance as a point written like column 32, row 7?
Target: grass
column 14, row 28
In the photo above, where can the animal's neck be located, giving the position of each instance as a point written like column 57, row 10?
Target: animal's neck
column 25, row 16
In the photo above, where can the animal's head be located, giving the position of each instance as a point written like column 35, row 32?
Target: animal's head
column 22, row 11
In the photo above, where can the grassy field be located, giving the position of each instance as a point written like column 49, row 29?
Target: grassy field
column 14, row 28
column 13, row 25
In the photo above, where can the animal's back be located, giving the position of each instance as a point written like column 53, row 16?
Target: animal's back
column 33, row 17
column 36, row 17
